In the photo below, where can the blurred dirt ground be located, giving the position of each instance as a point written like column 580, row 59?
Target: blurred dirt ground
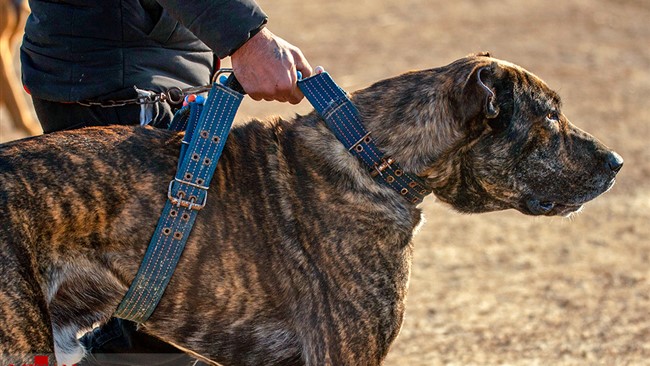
column 502, row 288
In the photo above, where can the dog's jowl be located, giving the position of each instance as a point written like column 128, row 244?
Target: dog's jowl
column 299, row 257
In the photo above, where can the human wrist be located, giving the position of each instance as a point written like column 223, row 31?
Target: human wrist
column 251, row 34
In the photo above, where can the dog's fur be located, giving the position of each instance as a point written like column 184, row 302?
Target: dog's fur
column 299, row 257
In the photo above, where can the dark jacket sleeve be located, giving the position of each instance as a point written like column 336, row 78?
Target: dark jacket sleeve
column 223, row 25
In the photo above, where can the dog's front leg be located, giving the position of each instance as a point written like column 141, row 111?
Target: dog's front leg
column 25, row 327
column 334, row 347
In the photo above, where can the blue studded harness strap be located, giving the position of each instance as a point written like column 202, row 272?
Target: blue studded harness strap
column 342, row 117
column 207, row 129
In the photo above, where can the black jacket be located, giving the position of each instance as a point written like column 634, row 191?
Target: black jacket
column 82, row 49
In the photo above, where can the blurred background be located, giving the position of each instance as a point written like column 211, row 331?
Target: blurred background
column 503, row 288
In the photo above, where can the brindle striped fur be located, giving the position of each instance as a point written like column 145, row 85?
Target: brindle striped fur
column 299, row 258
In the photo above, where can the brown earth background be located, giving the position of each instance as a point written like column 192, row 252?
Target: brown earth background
column 503, row 288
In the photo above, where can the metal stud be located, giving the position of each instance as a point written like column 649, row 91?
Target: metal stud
column 404, row 191
column 390, row 179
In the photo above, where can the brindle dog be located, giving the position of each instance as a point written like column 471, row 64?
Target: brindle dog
column 300, row 257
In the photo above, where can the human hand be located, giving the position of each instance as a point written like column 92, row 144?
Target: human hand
column 266, row 68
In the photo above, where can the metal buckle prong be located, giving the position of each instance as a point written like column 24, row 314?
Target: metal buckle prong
column 180, row 202
column 191, row 184
column 385, row 164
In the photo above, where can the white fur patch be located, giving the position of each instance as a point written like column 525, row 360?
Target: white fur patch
column 423, row 219
column 67, row 348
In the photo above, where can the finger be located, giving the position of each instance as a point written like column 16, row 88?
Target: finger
column 296, row 95
column 296, row 100
column 302, row 64
column 292, row 92
column 279, row 94
column 255, row 96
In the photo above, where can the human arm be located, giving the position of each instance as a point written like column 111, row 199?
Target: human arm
column 266, row 67
column 264, row 63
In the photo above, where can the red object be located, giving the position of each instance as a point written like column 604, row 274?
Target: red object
column 191, row 98
column 41, row 360
column 27, row 89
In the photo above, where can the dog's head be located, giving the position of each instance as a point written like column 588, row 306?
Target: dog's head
column 489, row 135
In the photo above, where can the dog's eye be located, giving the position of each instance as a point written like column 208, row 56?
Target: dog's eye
column 553, row 117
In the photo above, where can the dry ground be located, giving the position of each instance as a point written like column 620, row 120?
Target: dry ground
column 502, row 288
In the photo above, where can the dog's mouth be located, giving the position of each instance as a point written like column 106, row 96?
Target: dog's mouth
column 538, row 207
column 549, row 208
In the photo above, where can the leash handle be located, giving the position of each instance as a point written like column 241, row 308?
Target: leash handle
column 231, row 82
column 226, row 77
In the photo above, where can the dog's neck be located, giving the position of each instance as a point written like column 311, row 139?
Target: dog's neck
column 417, row 138
column 427, row 141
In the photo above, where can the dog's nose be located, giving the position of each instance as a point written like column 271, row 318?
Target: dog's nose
column 614, row 161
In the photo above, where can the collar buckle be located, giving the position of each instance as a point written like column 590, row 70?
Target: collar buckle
column 194, row 202
column 378, row 168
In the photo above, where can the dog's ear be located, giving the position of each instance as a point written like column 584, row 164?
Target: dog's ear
column 480, row 54
column 487, row 97
column 490, row 107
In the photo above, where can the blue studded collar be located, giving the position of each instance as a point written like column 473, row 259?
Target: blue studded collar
column 342, row 117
